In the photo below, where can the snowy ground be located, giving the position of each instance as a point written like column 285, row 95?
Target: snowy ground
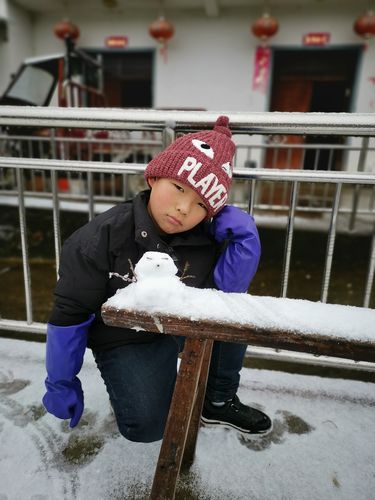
column 321, row 447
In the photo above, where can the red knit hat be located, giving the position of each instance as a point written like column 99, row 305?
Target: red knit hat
column 201, row 160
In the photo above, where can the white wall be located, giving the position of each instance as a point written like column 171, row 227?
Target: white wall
column 210, row 60
column 19, row 44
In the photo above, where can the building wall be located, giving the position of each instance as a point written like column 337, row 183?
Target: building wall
column 210, row 60
column 19, row 45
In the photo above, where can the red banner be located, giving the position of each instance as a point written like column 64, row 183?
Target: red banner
column 261, row 68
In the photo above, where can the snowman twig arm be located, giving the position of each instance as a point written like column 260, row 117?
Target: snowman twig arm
column 132, row 269
column 184, row 275
column 126, row 276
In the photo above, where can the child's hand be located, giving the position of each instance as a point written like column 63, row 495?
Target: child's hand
column 65, row 349
column 231, row 222
column 64, row 399
column 238, row 263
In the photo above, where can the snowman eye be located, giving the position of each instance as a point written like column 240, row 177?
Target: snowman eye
column 203, row 147
column 227, row 169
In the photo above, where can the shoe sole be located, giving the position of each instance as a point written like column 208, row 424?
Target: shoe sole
column 227, row 425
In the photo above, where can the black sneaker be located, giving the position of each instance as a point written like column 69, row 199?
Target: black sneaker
column 237, row 415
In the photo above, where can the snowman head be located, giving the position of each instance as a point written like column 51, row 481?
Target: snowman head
column 155, row 265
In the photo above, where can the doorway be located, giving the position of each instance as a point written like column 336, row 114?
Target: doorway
column 127, row 78
column 312, row 80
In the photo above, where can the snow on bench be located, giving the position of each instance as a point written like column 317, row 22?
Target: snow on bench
column 159, row 301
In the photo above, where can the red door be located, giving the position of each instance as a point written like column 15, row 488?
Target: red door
column 291, row 94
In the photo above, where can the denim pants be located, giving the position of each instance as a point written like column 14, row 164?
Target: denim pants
column 140, row 379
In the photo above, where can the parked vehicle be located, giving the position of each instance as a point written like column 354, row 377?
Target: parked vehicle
column 69, row 79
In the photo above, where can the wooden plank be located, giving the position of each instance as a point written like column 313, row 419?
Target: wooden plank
column 312, row 343
column 177, row 427
column 191, row 440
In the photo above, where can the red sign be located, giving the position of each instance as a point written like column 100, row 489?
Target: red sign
column 261, row 68
column 116, row 42
column 317, row 39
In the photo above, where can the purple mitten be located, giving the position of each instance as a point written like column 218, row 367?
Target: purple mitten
column 65, row 349
column 239, row 261
column 64, row 399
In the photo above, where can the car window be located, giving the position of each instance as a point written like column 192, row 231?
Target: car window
column 32, row 85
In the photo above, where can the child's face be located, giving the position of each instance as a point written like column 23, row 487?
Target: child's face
column 173, row 206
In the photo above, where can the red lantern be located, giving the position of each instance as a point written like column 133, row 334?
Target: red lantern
column 162, row 31
column 364, row 26
column 65, row 29
column 265, row 27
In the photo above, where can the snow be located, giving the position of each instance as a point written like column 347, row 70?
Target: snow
column 321, row 447
column 167, row 295
column 157, row 265
column 356, row 124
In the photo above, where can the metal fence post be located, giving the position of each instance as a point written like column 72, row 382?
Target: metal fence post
column 289, row 239
column 55, row 206
column 357, row 188
column 370, row 274
column 24, row 246
column 331, row 244
column 168, row 134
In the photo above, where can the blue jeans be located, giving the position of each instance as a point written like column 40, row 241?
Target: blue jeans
column 140, row 379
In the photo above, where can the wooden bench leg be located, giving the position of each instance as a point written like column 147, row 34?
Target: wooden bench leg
column 191, row 440
column 176, row 430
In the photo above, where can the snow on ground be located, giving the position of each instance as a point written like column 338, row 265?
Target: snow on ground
column 321, row 447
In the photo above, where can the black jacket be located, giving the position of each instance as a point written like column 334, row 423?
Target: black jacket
column 108, row 244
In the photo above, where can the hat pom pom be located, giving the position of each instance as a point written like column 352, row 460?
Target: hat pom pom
column 221, row 125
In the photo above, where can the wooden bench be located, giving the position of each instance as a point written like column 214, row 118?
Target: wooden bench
column 180, row 436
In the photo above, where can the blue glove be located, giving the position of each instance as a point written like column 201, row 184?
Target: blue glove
column 239, row 261
column 66, row 347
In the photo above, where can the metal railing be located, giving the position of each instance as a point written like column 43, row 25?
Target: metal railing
column 142, row 138
column 167, row 125
column 95, row 146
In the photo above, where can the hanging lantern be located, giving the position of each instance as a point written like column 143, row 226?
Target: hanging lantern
column 64, row 29
column 162, row 31
column 364, row 26
column 265, row 27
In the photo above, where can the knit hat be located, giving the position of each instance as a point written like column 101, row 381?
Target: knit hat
column 201, row 160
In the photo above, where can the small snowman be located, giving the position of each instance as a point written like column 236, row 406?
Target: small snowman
column 156, row 279
column 155, row 265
